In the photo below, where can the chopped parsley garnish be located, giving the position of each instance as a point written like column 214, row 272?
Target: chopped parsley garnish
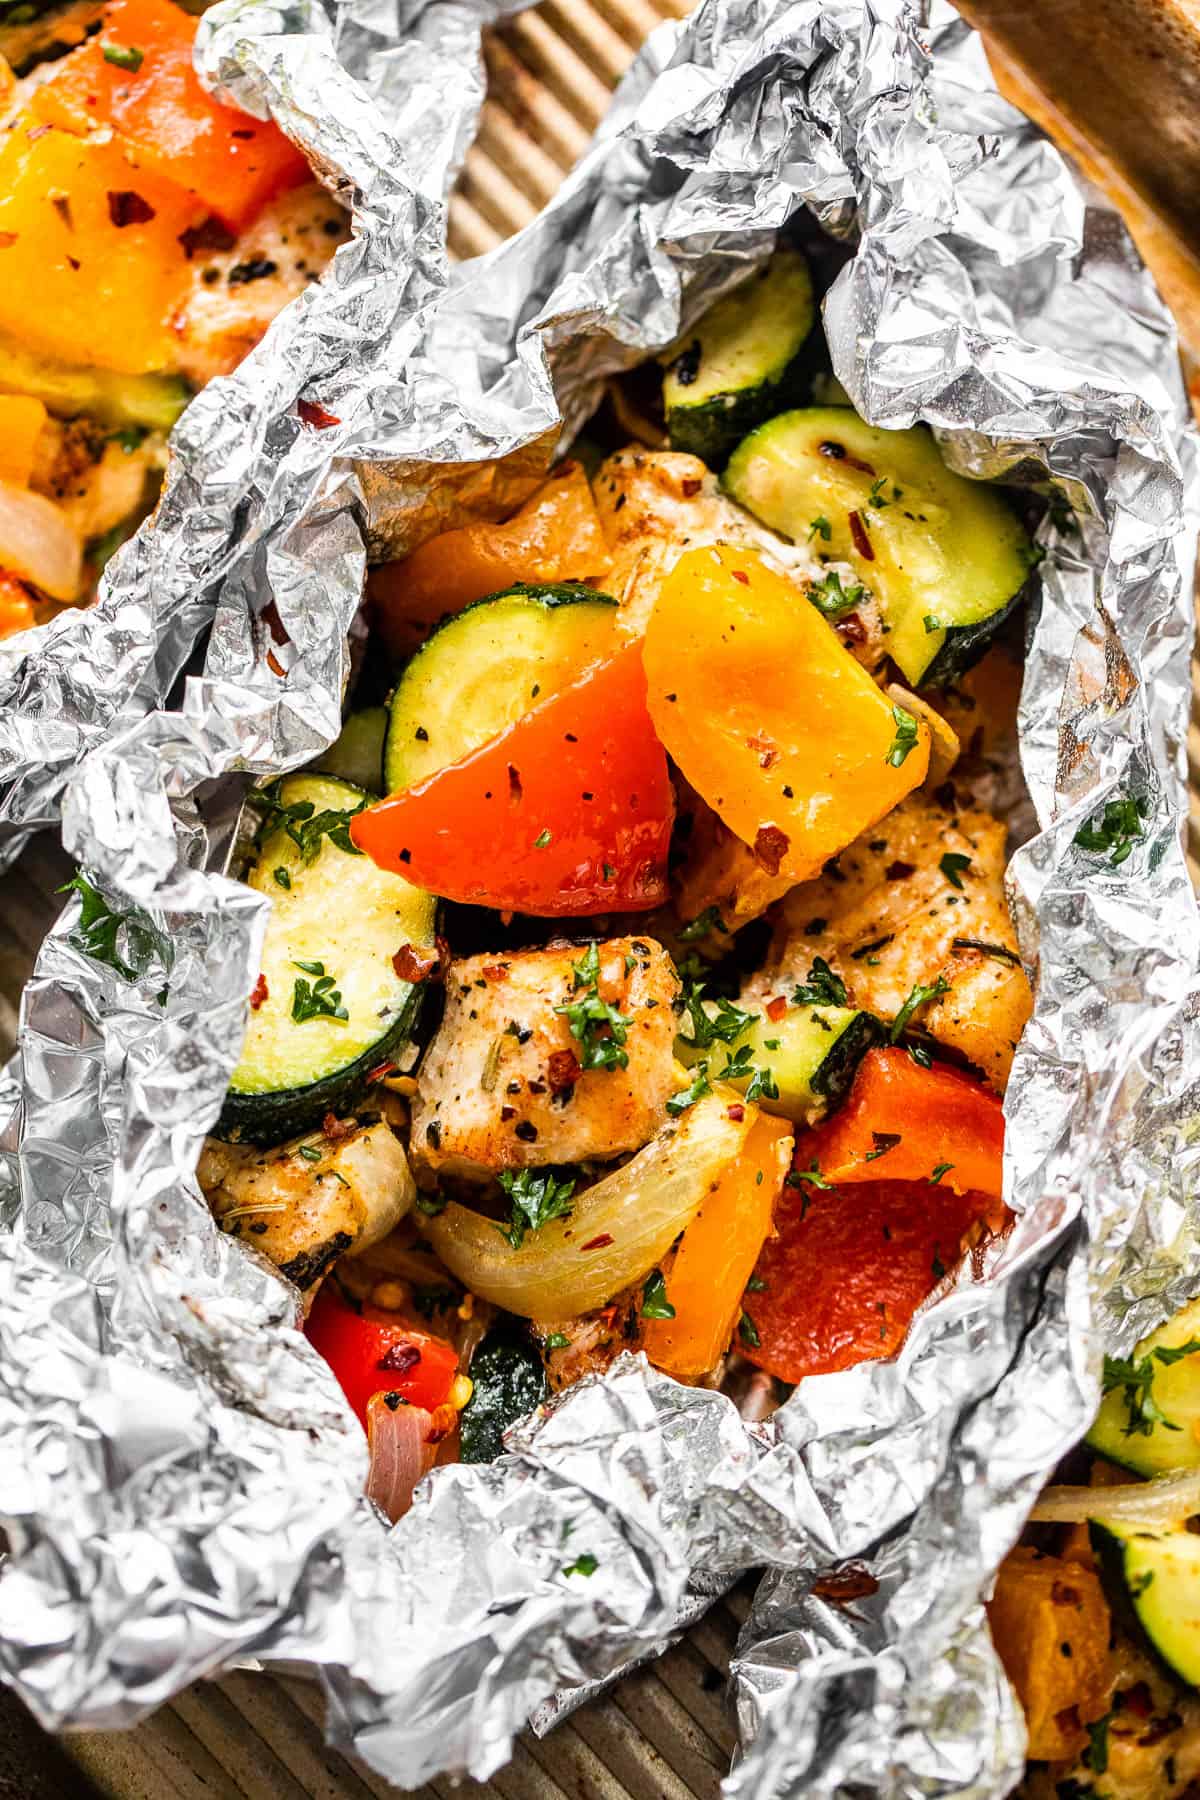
column 697, row 1087
column 931, row 624
column 905, row 738
column 919, row 996
column 707, row 921
column 831, row 599
column 534, row 1200
column 756, row 1285
column 543, row 838
column 558, row 1340
column 309, row 1152
column 797, row 1177
column 281, row 877
column 1134, row 1381
column 920, row 1056
column 822, row 988
column 600, row 1028
column 102, row 928
column 883, row 1141
column 1096, row 1754
column 938, row 1171
column 820, row 527
column 725, row 1024
column 954, row 866
column 123, row 56
column 739, row 1067
column 1115, row 831
column 319, row 999
column 748, row 1331
column 583, row 1565
column 1138, row 1585
column 655, row 1304
column 306, row 827
column 875, row 499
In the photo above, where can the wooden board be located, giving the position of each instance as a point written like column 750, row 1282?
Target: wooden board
column 663, row 1733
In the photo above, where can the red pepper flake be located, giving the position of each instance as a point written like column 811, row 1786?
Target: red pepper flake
column 563, row 1070
column 399, row 1359
column 495, row 971
column 770, row 847
column 899, row 871
column 211, row 235
column 740, row 575
column 598, row 1243
column 380, row 1071
column 8, row 239
column 127, row 208
column 514, row 784
column 765, row 748
column 690, row 487
column 437, row 1434
column 274, row 664
column 1138, row 1700
column 415, row 965
column 316, row 416
column 260, row 993
column 776, row 1008
column 862, row 542
column 839, row 453
column 507, row 1113
column 852, row 1582
column 736, row 1112
column 852, row 629
column 274, row 624
column 335, row 1129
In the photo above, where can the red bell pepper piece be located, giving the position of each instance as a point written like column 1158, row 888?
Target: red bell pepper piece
column 146, row 89
column 372, row 1351
column 849, row 1267
column 903, row 1122
column 569, row 811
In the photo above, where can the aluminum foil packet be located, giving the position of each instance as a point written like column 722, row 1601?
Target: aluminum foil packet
column 179, row 1477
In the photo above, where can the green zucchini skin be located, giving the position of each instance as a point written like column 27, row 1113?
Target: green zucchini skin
column 1154, row 1578
column 946, row 558
column 340, row 911
column 1152, row 1448
column 742, row 362
column 484, row 667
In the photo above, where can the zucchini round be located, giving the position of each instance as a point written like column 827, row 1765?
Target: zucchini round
column 337, row 921
column 741, row 362
column 1164, row 1436
column 356, row 754
column 484, row 668
column 811, row 1054
column 1156, row 1574
column 946, row 558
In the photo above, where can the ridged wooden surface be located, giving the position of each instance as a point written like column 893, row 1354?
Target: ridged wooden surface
column 663, row 1733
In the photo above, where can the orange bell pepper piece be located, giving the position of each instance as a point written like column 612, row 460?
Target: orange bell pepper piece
column 1051, row 1626
column 91, row 267
column 716, row 1256
column 556, row 536
column 136, row 76
column 16, row 607
column 770, row 719
column 903, row 1122
column 21, row 423
column 848, row 1267
column 567, row 812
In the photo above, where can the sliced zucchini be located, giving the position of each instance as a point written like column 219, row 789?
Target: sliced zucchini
column 154, row 401
column 1157, row 1573
column 334, row 1007
column 356, row 754
column 485, row 667
column 739, row 364
column 810, row 1055
column 1150, row 1421
column 946, row 558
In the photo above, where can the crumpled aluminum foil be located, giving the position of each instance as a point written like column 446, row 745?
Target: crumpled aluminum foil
column 178, row 1475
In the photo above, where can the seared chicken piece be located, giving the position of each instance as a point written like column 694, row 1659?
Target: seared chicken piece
column 718, row 869
column 96, row 477
column 654, row 504
column 591, row 1343
column 502, row 1084
column 240, row 284
column 916, row 900
column 307, row 1202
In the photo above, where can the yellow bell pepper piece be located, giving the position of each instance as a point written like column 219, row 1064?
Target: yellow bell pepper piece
column 21, row 422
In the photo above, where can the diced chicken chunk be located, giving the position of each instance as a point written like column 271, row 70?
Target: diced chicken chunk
column 502, row 1087
column 916, row 900
column 307, row 1202
column 240, row 285
column 654, row 504
column 96, row 477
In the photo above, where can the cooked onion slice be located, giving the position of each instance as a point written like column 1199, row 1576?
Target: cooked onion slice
column 1167, row 1500
column 404, row 1447
column 616, row 1232
column 37, row 544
